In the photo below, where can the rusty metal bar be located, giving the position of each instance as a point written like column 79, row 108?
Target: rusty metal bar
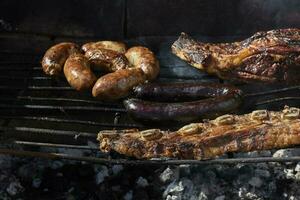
column 52, row 145
column 43, row 88
column 273, row 91
column 49, row 131
column 73, row 100
column 60, row 120
column 277, row 100
column 50, row 107
column 60, row 156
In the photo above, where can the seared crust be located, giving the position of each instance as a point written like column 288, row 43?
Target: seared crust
column 119, row 47
column 107, row 60
column 142, row 57
column 271, row 56
column 55, row 57
column 118, row 84
column 259, row 130
column 78, row 73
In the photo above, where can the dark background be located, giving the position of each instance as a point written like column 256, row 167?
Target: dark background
column 123, row 19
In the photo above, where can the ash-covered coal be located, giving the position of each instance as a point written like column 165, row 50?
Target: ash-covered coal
column 32, row 178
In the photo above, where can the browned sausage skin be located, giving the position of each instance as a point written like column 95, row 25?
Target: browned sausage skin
column 119, row 47
column 55, row 57
column 144, row 66
column 118, row 84
column 142, row 57
column 107, row 60
column 78, row 73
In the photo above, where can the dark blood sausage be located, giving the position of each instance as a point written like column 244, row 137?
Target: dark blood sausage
column 78, row 73
column 223, row 101
column 118, row 84
column 55, row 57
column 106, row 60
column 173, row 92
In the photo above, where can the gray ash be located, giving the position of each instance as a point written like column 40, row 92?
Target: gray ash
column 33, row 178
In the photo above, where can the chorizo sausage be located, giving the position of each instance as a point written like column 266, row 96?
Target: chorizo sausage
column 142, row 57
column 119, row 47
column 116, row 85
column 107, row 60
column 55, row 57
column 78, row 73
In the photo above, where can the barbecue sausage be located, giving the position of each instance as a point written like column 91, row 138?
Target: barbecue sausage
column 116, row 85
column 119, row 47
column 175, row 92
column 149, row 111
column 221, row 99
column 78, row 73
column 106, row 60
column 142, row 57
column 55, row 57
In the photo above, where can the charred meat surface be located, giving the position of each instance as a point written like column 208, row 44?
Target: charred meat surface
column 271, row 56
column 106, row 55
column 107, row 60
column 78, row 73
column 143, row 66
column 56, row 56
column 259, row 130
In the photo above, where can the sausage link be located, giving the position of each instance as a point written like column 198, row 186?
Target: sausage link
column 106, row 60
column 142, row 57
column 173, row 92
column 118, row 84
column 148, row 111
column 78, row 73
column 55, row 57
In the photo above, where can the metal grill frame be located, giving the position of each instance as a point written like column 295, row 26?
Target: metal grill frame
column 11, row 105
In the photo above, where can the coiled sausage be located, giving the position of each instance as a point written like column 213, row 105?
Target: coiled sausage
column 78, row 73
column 143, row 66
column 55, row 57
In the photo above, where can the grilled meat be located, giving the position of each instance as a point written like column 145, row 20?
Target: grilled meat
column 221, row 99
column 272, row 56
column 143, row 66
column 78, row 73
column 56, row 56
column 259, row 130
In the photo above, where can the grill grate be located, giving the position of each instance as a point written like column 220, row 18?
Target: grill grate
column 40, row 111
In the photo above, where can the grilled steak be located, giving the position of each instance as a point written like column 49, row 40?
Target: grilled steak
column 272, row 56
column 259, row 130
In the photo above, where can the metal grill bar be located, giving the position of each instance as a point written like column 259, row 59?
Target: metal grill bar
column 59, row 120
column 43, row 88
column 273, row 91
column 25, row 78
column 50, row 131
column 25, row 69
column 51, row 145
column 278, row 100
column 50, row 107
column 60, row 156
column 59, row 100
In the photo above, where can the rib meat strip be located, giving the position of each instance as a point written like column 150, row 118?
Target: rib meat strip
column 259, row 130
